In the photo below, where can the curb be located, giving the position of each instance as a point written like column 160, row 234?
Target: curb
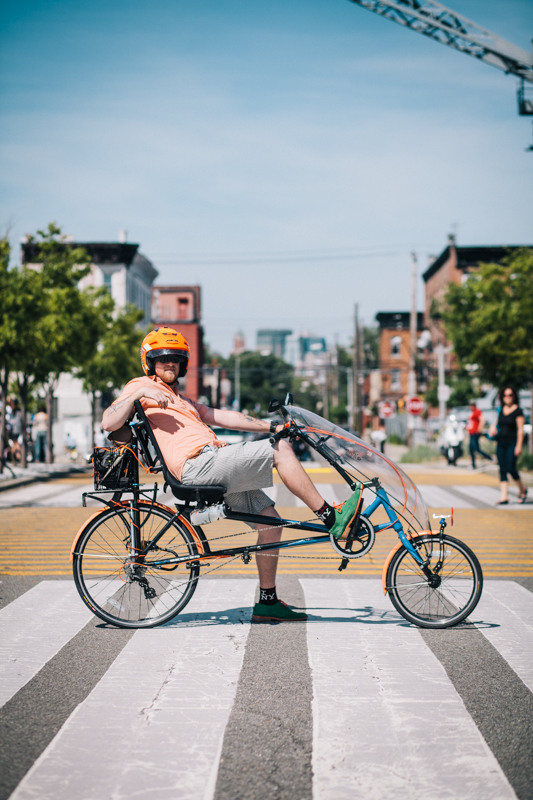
column 25, row 480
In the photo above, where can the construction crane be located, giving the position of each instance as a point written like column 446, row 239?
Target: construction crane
column 450, row 28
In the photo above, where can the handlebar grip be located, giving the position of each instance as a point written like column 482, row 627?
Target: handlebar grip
column 284, row 433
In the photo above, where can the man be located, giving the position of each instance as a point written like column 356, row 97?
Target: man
column 475, row 424
column 194, row 455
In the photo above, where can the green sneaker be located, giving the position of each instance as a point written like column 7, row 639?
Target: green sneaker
column 279, row 612
column 346, row 513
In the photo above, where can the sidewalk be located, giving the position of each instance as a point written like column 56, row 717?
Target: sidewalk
column 39, row 472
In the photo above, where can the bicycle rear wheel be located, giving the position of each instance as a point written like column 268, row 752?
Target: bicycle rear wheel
column 457, row 586
column 127, row 591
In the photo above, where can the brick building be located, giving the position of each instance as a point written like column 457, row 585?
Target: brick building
column 395, row 351
column 454, row 265
column 180, row 307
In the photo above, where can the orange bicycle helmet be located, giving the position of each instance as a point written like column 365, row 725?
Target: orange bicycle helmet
column 164, row 341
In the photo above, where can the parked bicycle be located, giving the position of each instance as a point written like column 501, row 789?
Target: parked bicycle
column 137, row 562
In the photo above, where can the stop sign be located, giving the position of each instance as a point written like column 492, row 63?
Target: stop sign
column 414, row 405
column 386, row 409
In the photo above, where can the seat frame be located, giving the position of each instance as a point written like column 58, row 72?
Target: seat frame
column 198, row 496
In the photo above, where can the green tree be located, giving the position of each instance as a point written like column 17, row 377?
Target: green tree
column 370, row 347
column 48, row 325
column 261, row 379
column 66, row 334
column 489, row 320
column 115, row 360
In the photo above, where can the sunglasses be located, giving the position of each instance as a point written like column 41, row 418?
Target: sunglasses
column 169, row 359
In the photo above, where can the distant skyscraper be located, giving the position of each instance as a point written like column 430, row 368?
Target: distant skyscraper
column 272, row 341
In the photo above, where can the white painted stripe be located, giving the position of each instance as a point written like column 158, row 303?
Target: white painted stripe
column 491, row 495
column 325, row 490
column 33, row 628
column 26, row 495
column 487, row 494
column 153, row 726
column 343, row 492
column 388, row 723
column 71, row 496
column 509, row 608
column 438, row 497
column 272, row 492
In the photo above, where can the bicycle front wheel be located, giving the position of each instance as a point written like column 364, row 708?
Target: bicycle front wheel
column 130, row 591
column 450, row 596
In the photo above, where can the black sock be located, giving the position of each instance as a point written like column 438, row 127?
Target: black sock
column 327, row 514
column 268, row 597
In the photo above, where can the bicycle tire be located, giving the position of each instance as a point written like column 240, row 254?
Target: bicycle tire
column 111, row 584
column 447, row 604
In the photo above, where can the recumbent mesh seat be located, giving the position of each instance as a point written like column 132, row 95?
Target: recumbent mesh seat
column 202, row 495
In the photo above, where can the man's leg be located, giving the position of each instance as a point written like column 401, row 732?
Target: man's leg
column 296, row 479
column 270, row 608
column 267, row 564
column 472, row 446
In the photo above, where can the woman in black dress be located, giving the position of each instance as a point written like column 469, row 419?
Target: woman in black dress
column 510, row 435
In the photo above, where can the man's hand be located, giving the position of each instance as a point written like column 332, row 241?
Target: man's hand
column 120, row 411
column 153, row 393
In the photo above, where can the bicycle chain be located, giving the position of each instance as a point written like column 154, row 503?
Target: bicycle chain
column 272, row 555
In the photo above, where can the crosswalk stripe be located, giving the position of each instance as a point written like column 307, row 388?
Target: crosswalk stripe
column 439, row 497
column 507, row 613
column 460, row 496
column 154, row 724
column 33, row 628
column 69, row 496
column 388, row 723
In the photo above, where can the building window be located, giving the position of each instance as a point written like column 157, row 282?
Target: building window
column 395, row 346
column 184, row 308
column 107, row 280
column 395, row 383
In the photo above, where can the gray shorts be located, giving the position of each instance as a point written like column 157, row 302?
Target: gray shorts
column 243, row 468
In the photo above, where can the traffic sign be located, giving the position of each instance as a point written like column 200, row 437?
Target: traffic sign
column 414, row 405
column 386, row 409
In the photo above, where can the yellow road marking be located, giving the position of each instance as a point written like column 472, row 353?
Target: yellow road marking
column 37, row 541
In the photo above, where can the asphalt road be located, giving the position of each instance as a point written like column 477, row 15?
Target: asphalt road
column 356, row 703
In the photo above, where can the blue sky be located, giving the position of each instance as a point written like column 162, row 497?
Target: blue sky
column 288, row 155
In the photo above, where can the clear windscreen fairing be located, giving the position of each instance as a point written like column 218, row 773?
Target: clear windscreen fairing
column 362, row 462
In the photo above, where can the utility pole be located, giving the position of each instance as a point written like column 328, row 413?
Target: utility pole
column 443, row 390
column 350, row 398
column 238, row 382
column 357, row 370
column 326, row 392
column 411, row 382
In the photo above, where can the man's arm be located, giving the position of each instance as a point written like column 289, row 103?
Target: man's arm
column 234, row 420
column 121, row 410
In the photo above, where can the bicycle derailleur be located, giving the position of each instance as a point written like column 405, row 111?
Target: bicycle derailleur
column 136, row 574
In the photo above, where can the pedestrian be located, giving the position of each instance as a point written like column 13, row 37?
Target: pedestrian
column 40, row 429
column 15, row 430
column 194, row 455
column 474, row 426
column 509, row 433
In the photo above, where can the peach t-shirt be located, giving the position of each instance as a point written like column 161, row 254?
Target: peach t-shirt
column 178, row 428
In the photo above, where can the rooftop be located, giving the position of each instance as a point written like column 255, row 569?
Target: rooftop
column 468, row 257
